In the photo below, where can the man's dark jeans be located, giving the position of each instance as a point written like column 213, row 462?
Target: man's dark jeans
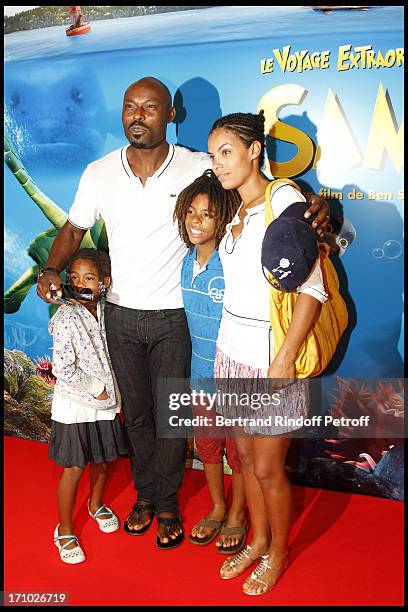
column 145, row 345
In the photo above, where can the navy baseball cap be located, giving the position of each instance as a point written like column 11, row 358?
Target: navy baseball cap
column 290, row 248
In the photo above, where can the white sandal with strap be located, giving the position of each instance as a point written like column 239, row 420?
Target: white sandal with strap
column 107, row 525
column 261, row 569
column 73, row 555
column 231, row 562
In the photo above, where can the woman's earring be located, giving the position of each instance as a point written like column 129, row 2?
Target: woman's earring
column 102, row 289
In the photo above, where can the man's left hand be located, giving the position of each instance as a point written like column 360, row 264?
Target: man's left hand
column 320, row 206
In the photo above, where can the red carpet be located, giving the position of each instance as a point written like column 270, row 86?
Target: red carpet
column 347, row 549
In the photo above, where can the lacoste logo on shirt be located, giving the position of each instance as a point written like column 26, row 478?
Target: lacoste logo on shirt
column 173, row 195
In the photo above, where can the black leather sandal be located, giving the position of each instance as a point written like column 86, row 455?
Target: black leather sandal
column 172, row 521
column 139, row 508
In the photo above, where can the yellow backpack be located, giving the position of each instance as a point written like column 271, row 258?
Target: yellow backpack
column 318, row 349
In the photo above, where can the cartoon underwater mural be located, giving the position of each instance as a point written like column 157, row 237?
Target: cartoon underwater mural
column 336, row 130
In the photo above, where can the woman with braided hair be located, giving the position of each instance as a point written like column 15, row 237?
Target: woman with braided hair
column 244, row 348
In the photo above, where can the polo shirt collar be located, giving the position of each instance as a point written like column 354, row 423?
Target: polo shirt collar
column 159, row 171
column 213, row 259
column 251, row 211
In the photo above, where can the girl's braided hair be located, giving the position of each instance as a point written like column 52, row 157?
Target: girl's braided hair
column 101, row 260
column 247, row 126
column 223, row 204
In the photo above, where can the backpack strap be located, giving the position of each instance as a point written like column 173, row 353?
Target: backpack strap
column 271, row 188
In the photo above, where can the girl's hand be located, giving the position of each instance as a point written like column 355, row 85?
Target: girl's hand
column 103, row 395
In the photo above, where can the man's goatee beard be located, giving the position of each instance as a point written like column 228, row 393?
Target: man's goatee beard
column 139, row 145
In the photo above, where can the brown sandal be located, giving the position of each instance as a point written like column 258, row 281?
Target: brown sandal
column 242, row 531
column 212, row 524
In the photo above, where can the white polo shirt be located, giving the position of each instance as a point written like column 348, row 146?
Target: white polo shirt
column 144, row 245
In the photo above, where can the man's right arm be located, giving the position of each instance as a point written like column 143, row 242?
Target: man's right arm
column 65, row 244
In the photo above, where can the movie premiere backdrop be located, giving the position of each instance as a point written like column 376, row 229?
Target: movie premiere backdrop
column 331, row 88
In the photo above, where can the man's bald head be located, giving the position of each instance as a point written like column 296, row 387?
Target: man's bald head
column 156, row 84
column 146, row 112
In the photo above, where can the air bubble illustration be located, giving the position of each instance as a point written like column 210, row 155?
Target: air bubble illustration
column 391, row 249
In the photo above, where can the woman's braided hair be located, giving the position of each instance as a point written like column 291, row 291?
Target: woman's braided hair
column 223, row 204
column 247, row 126
column 101, row 260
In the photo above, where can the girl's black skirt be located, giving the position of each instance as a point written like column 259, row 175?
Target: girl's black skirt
column 77, row 444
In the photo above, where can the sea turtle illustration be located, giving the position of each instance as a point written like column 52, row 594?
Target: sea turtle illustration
column 40, row 247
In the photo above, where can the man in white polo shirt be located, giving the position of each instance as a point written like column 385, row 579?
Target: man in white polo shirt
column 134, row 190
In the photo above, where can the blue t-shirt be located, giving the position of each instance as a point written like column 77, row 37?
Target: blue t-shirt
column 203, row 296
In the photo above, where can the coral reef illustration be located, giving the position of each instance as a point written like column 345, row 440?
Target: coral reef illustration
column 369, row 461
column 28, row 389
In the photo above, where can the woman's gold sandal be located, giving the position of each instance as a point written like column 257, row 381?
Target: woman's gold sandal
column 232, row 562
column 261, row 569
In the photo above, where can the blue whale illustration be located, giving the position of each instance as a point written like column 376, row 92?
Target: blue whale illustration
column 56, row 114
